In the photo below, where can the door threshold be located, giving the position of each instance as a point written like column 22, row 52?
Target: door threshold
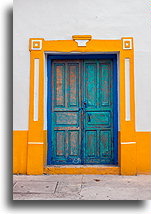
column 83, row 166
column 82, row 169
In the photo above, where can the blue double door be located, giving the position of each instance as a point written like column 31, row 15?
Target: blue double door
column 81, row 126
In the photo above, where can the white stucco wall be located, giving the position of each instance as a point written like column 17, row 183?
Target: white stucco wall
column 60, row 19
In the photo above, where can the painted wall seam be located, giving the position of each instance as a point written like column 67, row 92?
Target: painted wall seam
column 36, row 143
column 128, row 142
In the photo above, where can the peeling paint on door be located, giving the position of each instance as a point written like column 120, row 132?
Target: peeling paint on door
column 82, row 112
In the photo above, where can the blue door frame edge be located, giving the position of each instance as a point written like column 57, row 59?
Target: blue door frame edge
column 49, row 96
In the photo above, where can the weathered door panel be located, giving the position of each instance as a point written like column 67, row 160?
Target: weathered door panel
column 98, row 111
column 66, row 118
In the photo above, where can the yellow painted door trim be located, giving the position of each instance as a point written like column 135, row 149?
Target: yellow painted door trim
column 80, row 43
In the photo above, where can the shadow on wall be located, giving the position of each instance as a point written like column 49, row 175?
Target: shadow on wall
column 8, row 82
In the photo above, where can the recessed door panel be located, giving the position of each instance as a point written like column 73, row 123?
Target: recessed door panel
column 59, row 77
column 90, row 84
column 60, row 143
column 105, row 81
column 67, row 118
column 73, row 86
column 74, row 148
column 91, row 143
column 105, row 145
column 99, row 119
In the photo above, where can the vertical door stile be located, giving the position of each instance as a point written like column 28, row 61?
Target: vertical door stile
column 112, row 102
column 66, row 83
column 52, row 112
column 80, row 72
column 83, row 81
column 98, row 86
column 98, row 106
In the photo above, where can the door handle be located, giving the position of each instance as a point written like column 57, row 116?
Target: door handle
column 84, row 106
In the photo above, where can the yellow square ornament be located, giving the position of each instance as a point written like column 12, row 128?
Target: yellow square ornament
column 127, row 44
column 36, row 44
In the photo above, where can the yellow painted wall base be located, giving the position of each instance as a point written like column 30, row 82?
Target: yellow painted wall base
column 35, row 161
column 20, row 152
column 133, row 158
column 128, row 160
column 143, row 152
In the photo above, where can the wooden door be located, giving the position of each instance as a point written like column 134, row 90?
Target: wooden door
column 66, row 117
column 82, row 112
column 98, row 111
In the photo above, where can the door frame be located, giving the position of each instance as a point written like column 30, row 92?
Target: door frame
column 94, row 56
column 82, row 44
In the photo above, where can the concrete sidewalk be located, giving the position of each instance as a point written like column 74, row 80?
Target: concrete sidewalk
column 81, row 187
